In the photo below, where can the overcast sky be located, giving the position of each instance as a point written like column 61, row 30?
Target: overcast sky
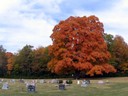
column 31, row 21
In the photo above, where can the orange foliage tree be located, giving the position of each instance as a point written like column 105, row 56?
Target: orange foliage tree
column 79, row 46
column 9, row 57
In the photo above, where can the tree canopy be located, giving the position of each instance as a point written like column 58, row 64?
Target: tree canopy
column 40, row 60
column 3, row 61
column 79, row 46
column 23, row 61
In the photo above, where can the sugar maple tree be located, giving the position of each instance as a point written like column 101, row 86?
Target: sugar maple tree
column 79, row 46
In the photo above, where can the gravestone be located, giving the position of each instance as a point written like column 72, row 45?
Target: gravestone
column 0, row 81
column 5, row 86
column 100, row 82
column 54, row 81
column 85, row 83
column 13, row 81
column 26, row 83
column 42, row 81
column 34, row 81
column 30, row 83
column 21, row 81
column 78, row 82
column 107, row 81
column 31, row 88
column 61, row 86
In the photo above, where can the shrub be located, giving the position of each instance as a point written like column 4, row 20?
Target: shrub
column 69, row 81
column 60, row 81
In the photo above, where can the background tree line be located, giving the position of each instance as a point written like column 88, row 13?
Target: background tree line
column 80, row 47
column 33, row 62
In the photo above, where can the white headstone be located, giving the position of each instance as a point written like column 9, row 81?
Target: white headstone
column 54, row 81
column 78, row 82
column 100, row 82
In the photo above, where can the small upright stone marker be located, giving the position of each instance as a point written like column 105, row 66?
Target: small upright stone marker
column 100, row 82
column 78, row 82
column 21, row 81
column 85, row 83
column 5, row 86
column 13, row 80
column 54, row 81
column 42, row 81
column 61, row 86
column 31, row 88
column 0, row 81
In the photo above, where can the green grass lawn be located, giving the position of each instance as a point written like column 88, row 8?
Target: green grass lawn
column 115, row 87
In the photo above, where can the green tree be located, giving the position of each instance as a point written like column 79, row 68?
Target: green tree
column 41, row 58
column 23, row 61
column 3, row 61
column 120, row 52
column 109, row 39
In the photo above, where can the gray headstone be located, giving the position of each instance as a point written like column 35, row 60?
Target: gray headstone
column 5, row 86
column 12, row 80
column 62, row 86
column 42, row 81
column 0, row 81
column 85, row 83
column 21, row 80
column 31, row 88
